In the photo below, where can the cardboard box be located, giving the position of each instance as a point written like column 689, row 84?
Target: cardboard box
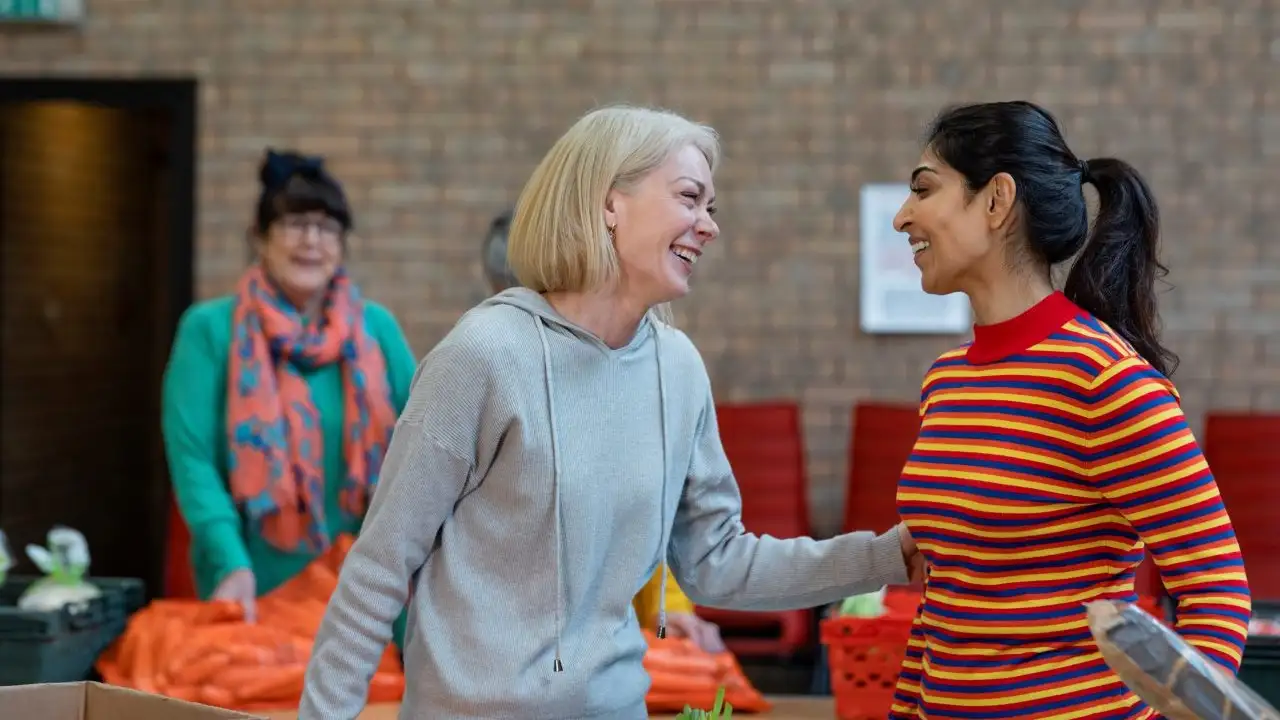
column 95, row 701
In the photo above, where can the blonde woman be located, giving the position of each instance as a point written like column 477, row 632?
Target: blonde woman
column 558, row 446
column 658, row 594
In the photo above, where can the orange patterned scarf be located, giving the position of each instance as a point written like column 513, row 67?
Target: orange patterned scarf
column 276, row 442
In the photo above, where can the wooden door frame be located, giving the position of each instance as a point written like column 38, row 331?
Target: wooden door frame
column 177, row 98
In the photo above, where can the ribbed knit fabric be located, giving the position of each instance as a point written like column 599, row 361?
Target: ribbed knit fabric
column 1049, row 454
column 525, row 499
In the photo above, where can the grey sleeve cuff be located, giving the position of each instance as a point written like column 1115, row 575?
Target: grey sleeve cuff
column 887, row 562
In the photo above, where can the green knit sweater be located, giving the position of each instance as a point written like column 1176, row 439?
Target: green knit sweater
column 193, row 421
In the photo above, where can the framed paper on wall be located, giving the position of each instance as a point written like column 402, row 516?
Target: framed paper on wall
column 890, row 298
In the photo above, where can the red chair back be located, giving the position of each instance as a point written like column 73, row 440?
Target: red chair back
column 882, row 437
column 1243, row 451
column 765, row 447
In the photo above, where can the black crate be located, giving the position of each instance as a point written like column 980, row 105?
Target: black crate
column 61, row 646
column 1260, row 669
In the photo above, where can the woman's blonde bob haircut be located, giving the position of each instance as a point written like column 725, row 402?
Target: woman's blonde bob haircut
column 558, row 240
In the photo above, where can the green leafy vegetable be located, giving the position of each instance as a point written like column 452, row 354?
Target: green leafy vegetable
column 64, row 562
column 721, row 711
column 866, row 606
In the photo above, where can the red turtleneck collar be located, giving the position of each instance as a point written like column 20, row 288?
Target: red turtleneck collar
column 992, row 343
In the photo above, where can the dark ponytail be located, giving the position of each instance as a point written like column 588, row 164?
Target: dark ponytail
column 1115, row 276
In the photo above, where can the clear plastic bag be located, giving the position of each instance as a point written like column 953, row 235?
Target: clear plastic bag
column 6, row 559
column 867, row 605
column 1166, row 672
column 64, row 562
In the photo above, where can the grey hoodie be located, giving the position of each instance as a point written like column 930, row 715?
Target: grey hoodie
column 534, row 482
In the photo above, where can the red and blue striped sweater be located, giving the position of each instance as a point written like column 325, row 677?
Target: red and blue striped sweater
column 1050, row 458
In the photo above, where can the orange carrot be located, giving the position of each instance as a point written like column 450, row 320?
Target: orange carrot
column 226, row 635
column 197, row 642
column 128, row 642
column 655, row 661
column 219, row 611
column 671, row 682
column 273, row 684
column 233, row 676
column 297, row 650
column 390, row 661
column 223, row 634
column 217, row 696
column 171, row 636
column 200, row 670
column 204, row 651
column 112, row 675
column 143, row 670
column 246, row 655
column 674, row 702
column 747, row 702
column 302, row 617
column 189, row 693
column 386, row 687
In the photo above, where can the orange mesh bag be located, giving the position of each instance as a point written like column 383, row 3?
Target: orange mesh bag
column 205, row 652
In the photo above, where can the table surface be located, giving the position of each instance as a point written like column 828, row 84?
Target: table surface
column 784, row 708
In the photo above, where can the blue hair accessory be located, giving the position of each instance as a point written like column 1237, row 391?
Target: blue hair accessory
column 279, row 167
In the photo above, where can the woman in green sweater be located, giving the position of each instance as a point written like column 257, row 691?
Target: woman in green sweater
column 279, row 400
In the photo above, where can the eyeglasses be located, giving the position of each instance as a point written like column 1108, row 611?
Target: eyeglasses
column 297, row 226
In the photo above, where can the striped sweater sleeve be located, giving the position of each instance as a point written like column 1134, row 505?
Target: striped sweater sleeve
column 1147, row 464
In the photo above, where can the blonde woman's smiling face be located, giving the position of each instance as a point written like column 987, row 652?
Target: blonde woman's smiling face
column 662, row 225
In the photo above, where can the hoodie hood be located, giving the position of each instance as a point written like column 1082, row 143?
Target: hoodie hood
column 536, row 305
column 647, row 339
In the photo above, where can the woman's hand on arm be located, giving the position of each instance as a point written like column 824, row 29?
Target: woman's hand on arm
column 703, row 633
column 242, row 587
column 911, row 555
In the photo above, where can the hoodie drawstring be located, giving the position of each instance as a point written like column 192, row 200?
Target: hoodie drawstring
column 663, row 531
column 558, row 665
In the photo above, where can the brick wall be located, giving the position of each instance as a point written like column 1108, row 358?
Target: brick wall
column 435, row 112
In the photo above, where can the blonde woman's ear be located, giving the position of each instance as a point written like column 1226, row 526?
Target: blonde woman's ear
column 611, row 209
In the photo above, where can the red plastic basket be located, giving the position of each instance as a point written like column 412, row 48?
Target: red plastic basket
column 865, row 655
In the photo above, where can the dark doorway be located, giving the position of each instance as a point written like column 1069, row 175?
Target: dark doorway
column 97, row 213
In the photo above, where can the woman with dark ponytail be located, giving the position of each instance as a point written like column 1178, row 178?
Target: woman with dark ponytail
column 1052, row 452
column 279, row 399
